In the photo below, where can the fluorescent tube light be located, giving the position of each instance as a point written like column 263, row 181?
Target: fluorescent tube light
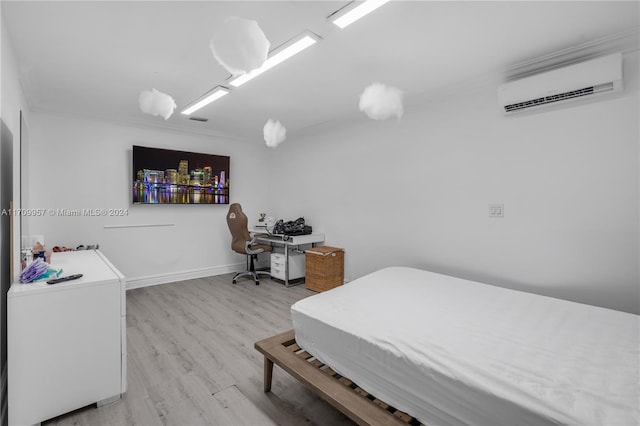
column 209, row 97
column 280, row 55
column 353, row 14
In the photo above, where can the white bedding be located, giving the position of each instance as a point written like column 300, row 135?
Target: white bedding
column 452, row 351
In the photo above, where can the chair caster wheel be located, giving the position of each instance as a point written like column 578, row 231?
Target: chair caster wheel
column 257, row 282
column 234, row 281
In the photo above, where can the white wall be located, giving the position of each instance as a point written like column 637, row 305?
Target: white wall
column 78, row 163
column 416, row 192
column 12, row 102
column 409, row 192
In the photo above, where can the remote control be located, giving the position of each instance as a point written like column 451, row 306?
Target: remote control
column 62, row 279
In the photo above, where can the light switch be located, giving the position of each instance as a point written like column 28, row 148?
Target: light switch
column 496, row 210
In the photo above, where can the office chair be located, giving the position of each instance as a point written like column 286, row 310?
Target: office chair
column 243, row 243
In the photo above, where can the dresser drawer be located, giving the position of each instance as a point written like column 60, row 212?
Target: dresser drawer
column 296, row 265
column 277, row 272
column 277, row 260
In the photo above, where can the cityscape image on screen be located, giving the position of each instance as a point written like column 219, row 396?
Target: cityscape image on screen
column 165, row 176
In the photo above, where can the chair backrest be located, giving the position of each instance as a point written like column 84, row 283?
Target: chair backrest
column 238, row 225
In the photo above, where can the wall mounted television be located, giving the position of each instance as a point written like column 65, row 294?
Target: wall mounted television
column 165, row 176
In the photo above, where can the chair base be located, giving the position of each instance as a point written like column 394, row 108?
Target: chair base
column 251, row 270
column 253, row 274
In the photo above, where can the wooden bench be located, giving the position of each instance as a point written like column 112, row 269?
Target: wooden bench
column 357, row 404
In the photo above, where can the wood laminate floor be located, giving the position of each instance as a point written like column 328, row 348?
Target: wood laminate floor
column 191, row 360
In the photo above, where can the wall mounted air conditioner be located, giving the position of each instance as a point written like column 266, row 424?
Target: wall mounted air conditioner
column 569, row 83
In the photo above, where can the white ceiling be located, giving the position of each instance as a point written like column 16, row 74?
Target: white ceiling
column 94, row 58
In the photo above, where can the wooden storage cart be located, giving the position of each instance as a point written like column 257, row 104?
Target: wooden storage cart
column 324, row 268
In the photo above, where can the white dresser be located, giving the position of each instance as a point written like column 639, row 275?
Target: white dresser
column 66, row 342
column 279, row 266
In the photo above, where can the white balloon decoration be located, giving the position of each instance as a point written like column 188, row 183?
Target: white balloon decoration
column 156, row 103
column 380, row 102
column 274, row 133
column 240, row 45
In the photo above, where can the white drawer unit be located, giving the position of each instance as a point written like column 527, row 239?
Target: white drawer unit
column 296, row 265
column 67, row 341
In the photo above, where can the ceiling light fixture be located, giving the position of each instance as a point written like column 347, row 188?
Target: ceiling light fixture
column 348, row 15
column 281, row 54
column 214, row 94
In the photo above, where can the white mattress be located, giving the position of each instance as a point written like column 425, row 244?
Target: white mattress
column 452, row 351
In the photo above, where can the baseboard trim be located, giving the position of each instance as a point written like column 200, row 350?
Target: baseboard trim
column 5, row 397
column 138, row 282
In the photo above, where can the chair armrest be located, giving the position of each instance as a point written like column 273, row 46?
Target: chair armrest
column 249, row 250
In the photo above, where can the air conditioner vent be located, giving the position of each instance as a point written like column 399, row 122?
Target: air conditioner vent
column 569, row 83
column 607, row 87
column 201, row 119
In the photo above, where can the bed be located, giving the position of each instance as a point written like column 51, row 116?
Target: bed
column 441, row 350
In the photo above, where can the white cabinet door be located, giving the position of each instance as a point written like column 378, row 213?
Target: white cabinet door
column 64, row 346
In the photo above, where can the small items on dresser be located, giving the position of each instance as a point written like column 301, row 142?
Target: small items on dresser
column 325, row 268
